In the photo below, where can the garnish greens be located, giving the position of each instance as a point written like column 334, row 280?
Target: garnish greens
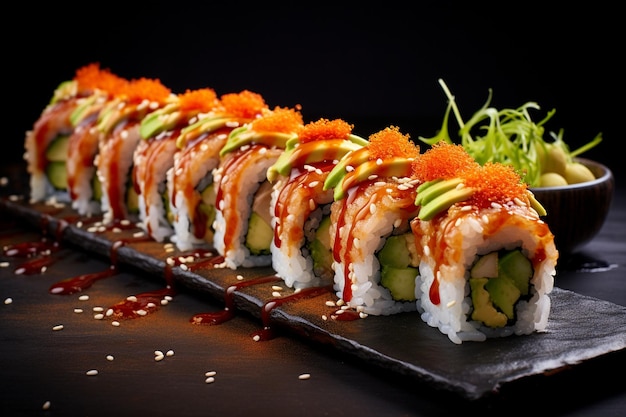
column 511, row 137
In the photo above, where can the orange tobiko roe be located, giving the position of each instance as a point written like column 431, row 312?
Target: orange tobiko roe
column 390, row 143
column 92, row 77
column 245, row 104
column 201, row 100
column 494, row 183
column 283, row 120
column 149, row 89
column 443, row 161
column 324, row 129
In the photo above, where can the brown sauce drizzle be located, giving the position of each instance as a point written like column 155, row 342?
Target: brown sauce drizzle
column 267, row 332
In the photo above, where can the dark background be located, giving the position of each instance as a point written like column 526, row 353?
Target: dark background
column 371, row 65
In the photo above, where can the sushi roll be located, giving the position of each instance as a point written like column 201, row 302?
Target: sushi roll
column 83, row 185
column 46, row 145
column 487, row 259
column 191, row 183
column 154, row 156
column 243, row 230
column 118, row 126
column 300, row 207
column 374, row 258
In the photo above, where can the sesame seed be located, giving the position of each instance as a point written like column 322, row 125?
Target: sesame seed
column 256, row 338
column 304, row 376
column 169, row 353
column 83, row 298
column 58, row 327
column 330, row 303
column 98, row 316
column 141, row 312
column 159, row 358
column 98, row 309
column 209, row 380
column 4, row 264
column 115, row 323
column 276, row 294
column 78, row 310
column 46, row 405
column 110, row 358
column 92, row 372
column 324, row 317
column 8, row 300
column 132, row 298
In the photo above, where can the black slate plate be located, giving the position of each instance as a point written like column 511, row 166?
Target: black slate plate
column 580, row 328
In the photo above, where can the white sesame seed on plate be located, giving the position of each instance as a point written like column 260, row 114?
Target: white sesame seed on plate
column 92, row 372
column 46, row 405
column 83, row 298
column 304, row 376
column 58, row 327
column 210, row 373
column 8, row 300
column 110, row 358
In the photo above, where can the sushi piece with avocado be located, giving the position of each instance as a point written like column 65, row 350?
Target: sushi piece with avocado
column 375, row 262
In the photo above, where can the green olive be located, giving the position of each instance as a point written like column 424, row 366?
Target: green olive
column 554, row 160
column 575, row 172
column 552, row 179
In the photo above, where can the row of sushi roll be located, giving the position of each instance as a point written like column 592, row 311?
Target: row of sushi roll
column 391, row 228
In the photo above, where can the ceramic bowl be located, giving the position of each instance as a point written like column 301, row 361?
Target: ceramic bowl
column 576, row 213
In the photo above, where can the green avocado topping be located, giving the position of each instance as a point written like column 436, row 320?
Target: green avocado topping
column 393, row 167
column 297, row 154
column 244, row 136
column 65, row 90
column 83, row 109
column 207, row 125
column 161, row 120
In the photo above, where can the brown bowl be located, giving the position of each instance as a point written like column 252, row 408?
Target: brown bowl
column 576, row 213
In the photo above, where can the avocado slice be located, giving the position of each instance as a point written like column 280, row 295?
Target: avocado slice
column 57, row 174
column 96, row 186
column 483, row 309
column 399, row 281
column 57, row 149
column 320, row 248
column 504, row 294
column 132, row 199
column 395, row 252
column 516, row 267
column 398, row 269
column 259, row 236
column 497, row 281
column 207, row 204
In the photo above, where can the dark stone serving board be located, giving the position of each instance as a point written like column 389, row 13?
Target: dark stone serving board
column 580, row 329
